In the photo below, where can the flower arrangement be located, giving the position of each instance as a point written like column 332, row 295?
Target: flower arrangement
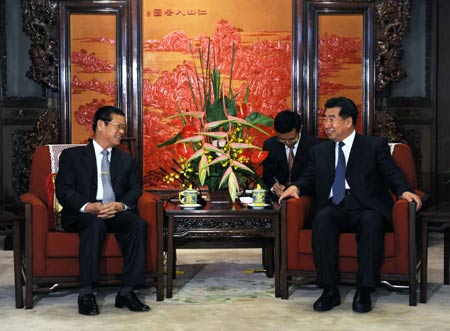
column 215, row 143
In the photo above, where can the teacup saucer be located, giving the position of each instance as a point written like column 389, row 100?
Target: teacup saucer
column 258, row 205
column 189, row 206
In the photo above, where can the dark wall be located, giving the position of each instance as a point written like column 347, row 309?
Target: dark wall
column 442, row 99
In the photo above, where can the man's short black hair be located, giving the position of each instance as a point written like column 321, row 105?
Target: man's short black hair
column 286, row 121
column 348, row 107
column 105, row 114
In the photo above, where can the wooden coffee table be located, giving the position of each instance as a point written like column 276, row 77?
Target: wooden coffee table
column 223, row 226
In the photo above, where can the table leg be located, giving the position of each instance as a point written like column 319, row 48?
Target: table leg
column 18, row 281
column 276, row 259
column 170, row 257
column 424, row 263
column 446, row 255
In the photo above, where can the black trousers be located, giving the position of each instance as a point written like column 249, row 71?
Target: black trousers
column 349, row 215
column 131, row 233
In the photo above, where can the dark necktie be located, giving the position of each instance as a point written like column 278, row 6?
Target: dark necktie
column 108, row 193
column 339, row 177
column 291, row 160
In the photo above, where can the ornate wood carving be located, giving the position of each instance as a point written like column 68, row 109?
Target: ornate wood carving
column 40, row 24
column 196, row 225
column 25, row 142
column 385, row 127
column 393, row 23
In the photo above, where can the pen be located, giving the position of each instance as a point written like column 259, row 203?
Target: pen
column 276, row 180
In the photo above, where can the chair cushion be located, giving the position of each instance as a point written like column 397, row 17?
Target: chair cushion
column 64, row 244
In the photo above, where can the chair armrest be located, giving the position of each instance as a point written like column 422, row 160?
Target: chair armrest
column 147, row 209
column 404, row 227
column 298, row 211
column 38, row 218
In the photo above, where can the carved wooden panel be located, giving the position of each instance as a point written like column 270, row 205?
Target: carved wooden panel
column 40, row 22
column 393, row 23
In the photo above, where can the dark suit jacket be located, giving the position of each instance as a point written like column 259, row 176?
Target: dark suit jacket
column 76, row 182
column 276, row 164
column 371, row 172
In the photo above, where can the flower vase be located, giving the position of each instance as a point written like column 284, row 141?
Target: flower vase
column 219, row 195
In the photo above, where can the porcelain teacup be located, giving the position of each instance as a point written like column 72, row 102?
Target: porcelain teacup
column 188, row 196
column 259, row 196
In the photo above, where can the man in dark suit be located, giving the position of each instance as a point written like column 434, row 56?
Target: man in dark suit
column 288, row 152
column 350, row 177
column 98, row 189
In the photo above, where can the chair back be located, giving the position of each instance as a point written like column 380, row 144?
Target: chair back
column 403, row 157
column 45, row 161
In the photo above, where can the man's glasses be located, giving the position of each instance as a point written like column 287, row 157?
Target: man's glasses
column 288, row 141
column 118, row 126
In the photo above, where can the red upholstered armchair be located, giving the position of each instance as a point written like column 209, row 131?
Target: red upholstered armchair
column 51, row 256
column 400, row 263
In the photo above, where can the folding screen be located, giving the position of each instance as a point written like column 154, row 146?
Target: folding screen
column 257, row 32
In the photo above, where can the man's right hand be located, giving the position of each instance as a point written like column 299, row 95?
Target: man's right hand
column 94, row 207
column 291, row 191
column 278, row 189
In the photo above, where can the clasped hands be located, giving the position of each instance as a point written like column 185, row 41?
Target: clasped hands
column 105, row 211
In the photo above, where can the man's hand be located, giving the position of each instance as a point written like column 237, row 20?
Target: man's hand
column 292, row 191
column 94, row 207
column 105, row 211
column 409, row 196
column 277, row 189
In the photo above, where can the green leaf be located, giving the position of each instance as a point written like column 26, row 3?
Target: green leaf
column 220, row 159
column 202, row 169
column 233, row 186
column 212, row 148
column 215, row 134
column 171, row 141
column 225, row 176
column 258, row 118
column 242, row 166
column 238, row 120
column 215, row 124
column 194, row 156
column 192, row 139
column 243, row 146
column 195, row 114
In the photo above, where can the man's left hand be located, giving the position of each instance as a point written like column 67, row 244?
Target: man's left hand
column 110, row 209
column 409, row 196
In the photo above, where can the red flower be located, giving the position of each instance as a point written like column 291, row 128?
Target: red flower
column 189, row 131
column 184, row 150
column 257, row 157
column 242, row 110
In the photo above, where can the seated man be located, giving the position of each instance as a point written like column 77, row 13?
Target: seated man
column 350, row 177
column 288, row 152
column 96, row 202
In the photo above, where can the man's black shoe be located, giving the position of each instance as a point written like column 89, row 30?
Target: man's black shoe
column 130, row 301
column 361, row 301
column 87, row 305
column 330, row 298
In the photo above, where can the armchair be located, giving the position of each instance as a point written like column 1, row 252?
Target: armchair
column 51, row 256
column 400, row 263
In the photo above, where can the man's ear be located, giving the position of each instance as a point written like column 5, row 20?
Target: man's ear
column 101, row 125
